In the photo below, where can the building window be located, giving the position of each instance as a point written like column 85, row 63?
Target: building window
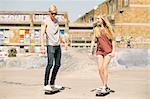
column 126, row 3
column 121, row 7
column 115, row 6
column 91, row 19
column 110, row 7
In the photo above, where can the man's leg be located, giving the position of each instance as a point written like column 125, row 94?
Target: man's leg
column 57, row 57
column 50, row 56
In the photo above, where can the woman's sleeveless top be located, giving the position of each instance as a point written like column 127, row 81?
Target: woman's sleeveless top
column 104, row 45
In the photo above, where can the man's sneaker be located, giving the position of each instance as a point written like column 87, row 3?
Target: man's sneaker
column 57, row 87
column 48, row 87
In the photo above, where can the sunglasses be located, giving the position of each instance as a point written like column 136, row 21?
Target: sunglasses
column 52, row 13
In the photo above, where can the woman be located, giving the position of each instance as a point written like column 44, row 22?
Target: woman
column 104, row 36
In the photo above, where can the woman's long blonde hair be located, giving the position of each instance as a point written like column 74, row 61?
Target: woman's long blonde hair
column 107, row 26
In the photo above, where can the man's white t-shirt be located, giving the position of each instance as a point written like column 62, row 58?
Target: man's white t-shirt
column 52, row 32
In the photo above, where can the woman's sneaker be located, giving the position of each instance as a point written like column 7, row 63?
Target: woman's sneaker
column 107, row 89
column 48, row 88
column 103, row 90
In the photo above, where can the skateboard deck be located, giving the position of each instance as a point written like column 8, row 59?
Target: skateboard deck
column 108, row 91
column 52, row 91
column 99, row 93
column 55, row 90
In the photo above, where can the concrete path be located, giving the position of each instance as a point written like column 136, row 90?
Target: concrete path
column 131, row 83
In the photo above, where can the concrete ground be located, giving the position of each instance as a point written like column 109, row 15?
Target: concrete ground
column 21, row 77
column 129, row 83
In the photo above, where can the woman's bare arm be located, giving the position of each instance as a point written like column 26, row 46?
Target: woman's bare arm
column 92, row 43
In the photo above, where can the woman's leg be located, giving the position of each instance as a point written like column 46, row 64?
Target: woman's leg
column 106, row 61
column 100, row 60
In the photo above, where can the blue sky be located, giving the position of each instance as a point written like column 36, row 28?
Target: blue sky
column 73, row 7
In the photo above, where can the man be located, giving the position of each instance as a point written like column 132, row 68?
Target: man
column 50, row 27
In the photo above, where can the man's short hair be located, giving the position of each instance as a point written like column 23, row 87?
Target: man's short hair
column 53, row 8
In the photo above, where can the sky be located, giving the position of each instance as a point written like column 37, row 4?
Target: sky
column 75, row 8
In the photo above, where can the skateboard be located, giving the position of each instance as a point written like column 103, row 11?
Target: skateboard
column 99, row 93
column 55, row 90
column 52, row 91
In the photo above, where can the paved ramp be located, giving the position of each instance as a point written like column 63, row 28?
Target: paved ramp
column 134, row 57
column 78, row 59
